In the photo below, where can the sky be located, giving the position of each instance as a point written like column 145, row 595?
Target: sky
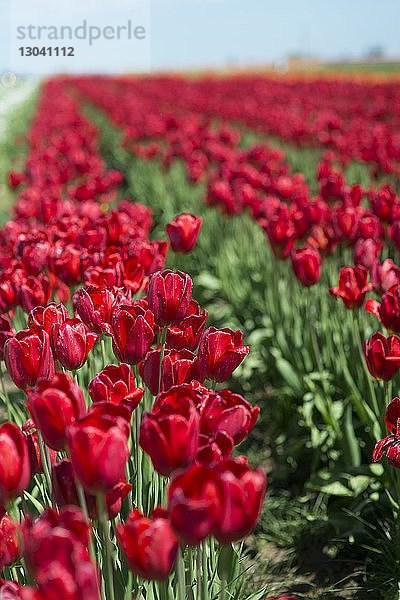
column 202, row 33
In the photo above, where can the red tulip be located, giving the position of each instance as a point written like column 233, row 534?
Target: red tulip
column 220, row 352
column 65, row 491
column 384, row 275
column 94, row 306
column 33, row 291
column 98, row 448
column 9, row 545
column 177, row 368
column 170, row 432
column 14, row 465
column 65, row 263
column 214, row 448
column 168, row 295
column 390, row 444
column 7, row 294
column 353, row 286
column 194, row 504
column 382, row 356
column 55, row 551
column 229, row 413
column 183, row 232
column 54, row 405
column 149, row 545
column 187, row 334
column 28, row 358
column 72, row 341
column 44, row 317
column 34, row 254
column 132, row 331
column 242, row 493
column 116, row 384
column 306, row 263
column 388, row 311
column 366, row 252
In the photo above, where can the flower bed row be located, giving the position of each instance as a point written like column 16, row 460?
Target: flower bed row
column 104, row 489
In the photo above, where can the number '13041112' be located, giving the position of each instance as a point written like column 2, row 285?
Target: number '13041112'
column 50, row 51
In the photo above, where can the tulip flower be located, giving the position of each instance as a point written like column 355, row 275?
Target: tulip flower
column 391, row 443
column 242, row 493
column 194, row 504
column 98, row 448
column 229, row 413
column 55, row 551
column 387, row 311
column 306, row 263
column 116, row 384
column 177, row 368
column 94, row 306
column 382, row 356
column 33, row 291
column 187, row 334
column 170, row 432
column 132, row 331
column 72, row 341
column 183, row 232
column 28, row 358
column 220, row 353
column 7, row 295
column 366, row 252
column 54, row 405
column 168, row 296
column 44, row 317
column 9, row 545
column 353, row 286
column 384, row 275
column 149, row 545
column 15, row 465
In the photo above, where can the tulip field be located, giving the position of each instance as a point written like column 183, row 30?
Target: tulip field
column 200, row 339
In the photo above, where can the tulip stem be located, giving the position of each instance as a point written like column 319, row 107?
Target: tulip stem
column 5, row 394
column 180, row 574
column 204, row 565
column 138, row 461
column 45, row 464
column 103, row 352
column 222, row 591
column 162, row 352
column 107, row 550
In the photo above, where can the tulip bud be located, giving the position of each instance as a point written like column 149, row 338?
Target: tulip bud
column 183, row 232
column 94, row 306
column 306, row 263
column 116, row 384
column 168, row 295
column 149, row 545
column 9, row 546
column 98, row 448
column 33, row 291
column 132, row 331
column 229, row 413
column 187, row 334
column 170, row 432
column 15, row 465
column 353, row 286
column 72, row 341
column 382, row 356
column 177, row 368
column 28, row 358
column 54, row 405
column 44, row 317
column 220, row 352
